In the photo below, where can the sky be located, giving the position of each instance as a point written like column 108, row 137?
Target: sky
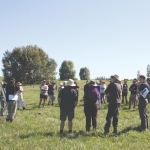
column 106, row 36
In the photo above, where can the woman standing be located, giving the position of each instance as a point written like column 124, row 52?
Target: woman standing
column 91, row 105
column 20, row 97
column 43, row 93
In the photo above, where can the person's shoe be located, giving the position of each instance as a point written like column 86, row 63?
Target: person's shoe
column 115, row 130
column 17, row 108
column 106, row 131
column 94, row 128
column 23, row 108
column 7, row 120
column 70, row 131
column 61, row 131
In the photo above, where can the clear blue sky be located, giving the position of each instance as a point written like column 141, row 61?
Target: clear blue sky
column 107, row 36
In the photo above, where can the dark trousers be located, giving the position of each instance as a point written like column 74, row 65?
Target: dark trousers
column 113, row 112
column 91, row 115
column 143, row 114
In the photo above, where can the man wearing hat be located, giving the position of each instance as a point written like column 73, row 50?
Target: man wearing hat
column 114, row 91
column 68, row 101
column 20, row 96
column 143, row 94
column 91, row 97
column 133, row 89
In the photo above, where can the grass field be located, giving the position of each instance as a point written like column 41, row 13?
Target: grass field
column 38, row 128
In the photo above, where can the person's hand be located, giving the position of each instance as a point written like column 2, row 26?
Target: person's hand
column 146, row 101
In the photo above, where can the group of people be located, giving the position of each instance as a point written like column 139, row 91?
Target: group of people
column 11, row 97
column 115, row 92
column 94, row 94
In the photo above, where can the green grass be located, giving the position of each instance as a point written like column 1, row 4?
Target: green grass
column 38, row 129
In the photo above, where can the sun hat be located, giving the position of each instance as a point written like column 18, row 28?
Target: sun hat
column 93, row 83
column 19, row 83
column 70, row 82
column 115, row 76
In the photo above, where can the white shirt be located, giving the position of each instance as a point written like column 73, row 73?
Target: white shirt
column 103, row 88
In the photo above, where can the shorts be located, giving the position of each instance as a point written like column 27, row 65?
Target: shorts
column 124, row 93
column 52, row 97
column 102, row 95
column 133, row 97
column 43, row 96
column 64, row 115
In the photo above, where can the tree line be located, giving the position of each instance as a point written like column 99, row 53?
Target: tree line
column 31, row 65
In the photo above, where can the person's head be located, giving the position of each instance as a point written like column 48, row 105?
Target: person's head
column 87, row 81
column 142, row 78
column 70, row 82
column 53, row 83
column 44, row 82
column 75, row 83
column 115, row 78
column 103, row 82
column 125, row 81
column 134, row 81
column 12, row 82
column 148, row 81
column 93, row 83
column 119, row 82
column 61, row 84
column 19, row 84
column 65, row 83
column 100, row 81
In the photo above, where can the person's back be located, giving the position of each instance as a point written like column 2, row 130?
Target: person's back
column 92, row 95
column 68, row 97
column 114, row 90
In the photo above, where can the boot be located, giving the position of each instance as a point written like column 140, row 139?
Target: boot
column 106, row 130
column 115, row 130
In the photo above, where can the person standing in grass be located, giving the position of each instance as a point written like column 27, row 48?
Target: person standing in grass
column 99, row 99
column 11, row 99
column 132, row 99
column 43, row 93
column 76, row 88
column 3, row 98
column 125, row 92
column 20, row 97
column 91, row 105
column 52, row 88
column 143, row 94
column 114, row 91
column 68, row 100
column 102, row 91
column 148, row 81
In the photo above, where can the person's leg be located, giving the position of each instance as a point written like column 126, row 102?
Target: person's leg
column 44, row 101
column 9, row 111
column 143, row 115
column 49, row 99
column 94, row 117
column 70, row 126
column 130, row 101
column 62, row 124
column 115, row 117
column 126, row 98
column 63, row 116
column 22, row 103
column 18, row 103
column 13, row 110
column 40, row 102
column 123, row 98
column 108, row 118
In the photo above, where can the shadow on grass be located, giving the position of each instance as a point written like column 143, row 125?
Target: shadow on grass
column 32, row 135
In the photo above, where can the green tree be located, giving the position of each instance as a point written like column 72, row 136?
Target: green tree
column 66, row 70
column 84, row 73
column 28, row 65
